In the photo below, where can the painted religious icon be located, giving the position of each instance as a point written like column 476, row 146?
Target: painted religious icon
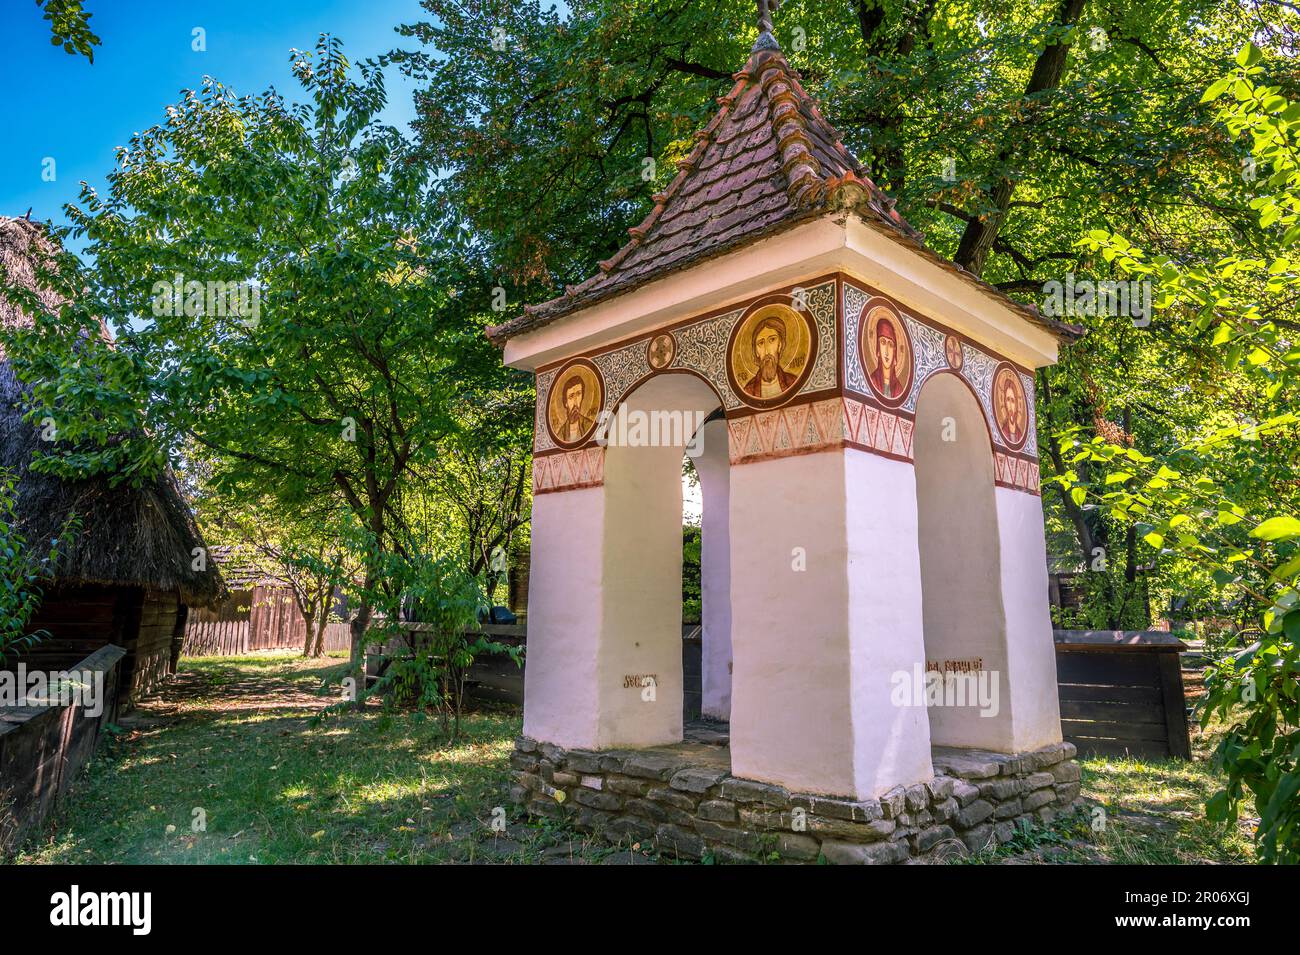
column 1009, row 407
column 952, row 351
column 770, row 354
column 886, row 350
column 574, row 403
column 661, row 350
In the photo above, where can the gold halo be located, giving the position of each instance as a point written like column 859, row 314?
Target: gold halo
column 874, row 315
column 593, row 397
column 795, row 361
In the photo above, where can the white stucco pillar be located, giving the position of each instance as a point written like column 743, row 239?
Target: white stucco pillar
column 1031, row 654
column 606, row 618
column 641, row 601
column 714, row 470
column 891, row 742
column 561, row 691
column 826, row 607
column 604, row 663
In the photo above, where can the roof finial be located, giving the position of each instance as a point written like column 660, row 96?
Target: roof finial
column 765, row 39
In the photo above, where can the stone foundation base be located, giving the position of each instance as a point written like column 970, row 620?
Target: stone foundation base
column 684, row 801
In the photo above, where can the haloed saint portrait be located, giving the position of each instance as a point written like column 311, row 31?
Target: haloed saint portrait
column 1010, row 410
column 886, row 351
column 770, row 354
column 574, row 402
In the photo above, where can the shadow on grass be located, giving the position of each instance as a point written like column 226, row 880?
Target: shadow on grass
column 230, row 765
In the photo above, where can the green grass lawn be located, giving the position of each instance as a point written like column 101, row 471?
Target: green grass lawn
column 1143, row 812
column 1139, row 813
column 237, row 738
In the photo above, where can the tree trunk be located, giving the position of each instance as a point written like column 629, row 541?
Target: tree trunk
column 308, row 626
column 1072, row 511
column 321, row 626
column 982, row 230
column 357, row 630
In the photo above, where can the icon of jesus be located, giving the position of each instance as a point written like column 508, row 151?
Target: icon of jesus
column 767, row 344
column 1009, row 402
column 576, row 424
column 886, row 376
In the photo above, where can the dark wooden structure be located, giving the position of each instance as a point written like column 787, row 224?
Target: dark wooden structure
column 148, row 624
column 692, row 671
column 44, row 748
column 259, row 612
column 134, row 560
column 517, row 578
column 1121, row 693
column 1064, row 590
column 493, row 677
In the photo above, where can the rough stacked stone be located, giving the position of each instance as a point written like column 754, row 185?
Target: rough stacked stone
column 686, row 804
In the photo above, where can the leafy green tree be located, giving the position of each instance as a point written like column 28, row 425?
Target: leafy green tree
column 1225, row 496
column 1051, row 114
column 70, row 27
column 290, row 296
column 692, row 598
column 482, row 479
column 428, row 608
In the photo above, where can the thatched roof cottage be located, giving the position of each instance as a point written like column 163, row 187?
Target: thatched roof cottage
column 129, row 577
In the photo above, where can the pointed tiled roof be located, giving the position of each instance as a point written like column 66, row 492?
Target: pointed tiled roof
column 767, row 160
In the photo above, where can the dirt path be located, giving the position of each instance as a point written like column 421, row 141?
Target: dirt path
column 280, row 682
column 230, row 764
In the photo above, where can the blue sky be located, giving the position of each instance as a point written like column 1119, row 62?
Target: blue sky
column 61, row 107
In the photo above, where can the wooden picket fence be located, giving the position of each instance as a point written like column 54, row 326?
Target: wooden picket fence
column 263, row 617
column 224, row 638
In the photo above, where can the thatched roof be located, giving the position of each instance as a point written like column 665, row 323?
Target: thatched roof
column 242, row 570
column 129, row 536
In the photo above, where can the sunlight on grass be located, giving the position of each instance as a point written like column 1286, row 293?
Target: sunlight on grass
column 238, row 738
column 1155, row 812
column 277, row 785
column 1138, row 812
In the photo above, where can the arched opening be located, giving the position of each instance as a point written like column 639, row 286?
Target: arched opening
column 655, row 425
column 961, row 591
column 713, row 466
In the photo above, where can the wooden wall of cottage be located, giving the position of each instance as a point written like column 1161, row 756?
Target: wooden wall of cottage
column 79, row 619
